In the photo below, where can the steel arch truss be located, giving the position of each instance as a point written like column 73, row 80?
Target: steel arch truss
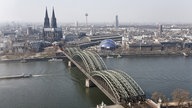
column 86, row 64
column 91, row 61
column 99, row 63
column 119, row 84
column 72, row 51
column 108, row 82
column 122, row 90
column 137, row 88
column 128, row 87
column 67, row 50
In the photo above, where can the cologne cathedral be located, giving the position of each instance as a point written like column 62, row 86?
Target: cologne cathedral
column 51, row 32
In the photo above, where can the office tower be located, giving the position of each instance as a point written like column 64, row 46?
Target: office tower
column 160, row 30
column 76, row 24
column 86, row 15
column 116, row 21
column 29, row 30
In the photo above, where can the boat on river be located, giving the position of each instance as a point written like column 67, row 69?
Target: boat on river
column 16, row 76
column 119, row 56
column 185, row 54
column 55, row 60
column 109, row 57
column 23, row 61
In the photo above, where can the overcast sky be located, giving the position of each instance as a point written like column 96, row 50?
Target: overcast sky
column 129, row 11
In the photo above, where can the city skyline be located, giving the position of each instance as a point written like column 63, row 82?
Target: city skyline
column 137, row 11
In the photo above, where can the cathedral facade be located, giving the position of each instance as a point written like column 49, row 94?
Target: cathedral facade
column 51, row 32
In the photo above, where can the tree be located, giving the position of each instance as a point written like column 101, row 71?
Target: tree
column 158, row 95
column 180, row 95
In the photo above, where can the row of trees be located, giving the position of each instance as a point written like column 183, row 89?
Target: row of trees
column 178, row 95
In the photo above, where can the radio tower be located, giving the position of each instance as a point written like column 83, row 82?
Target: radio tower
column 86, row 15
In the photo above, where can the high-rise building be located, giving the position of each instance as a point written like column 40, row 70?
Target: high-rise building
column 29, row 30
column 160, row 29
column 116, row 21
column 51, row 33
column 86, row 15
column 76, row 24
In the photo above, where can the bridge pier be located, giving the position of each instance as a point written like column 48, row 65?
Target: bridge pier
column 70, row 64
column 89, row 83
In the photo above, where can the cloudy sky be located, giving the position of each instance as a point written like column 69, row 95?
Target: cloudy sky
column 129, row 11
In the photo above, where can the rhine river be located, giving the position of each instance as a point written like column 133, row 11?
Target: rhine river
column 57, row 86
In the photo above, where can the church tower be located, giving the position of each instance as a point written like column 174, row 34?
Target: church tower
column 46, row 20
column 53, row 20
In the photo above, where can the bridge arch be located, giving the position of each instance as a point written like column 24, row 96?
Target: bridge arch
column 121, row 89
column 128, row 87
column 99, row 63
column 97, row 74
column 91, row 61
column 100, row 60
column 118, row 84
column 132, row 82
column 67, row 50
column 82, row 57
column 72, row 51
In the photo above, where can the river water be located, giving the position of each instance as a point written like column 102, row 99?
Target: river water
column 54, row 85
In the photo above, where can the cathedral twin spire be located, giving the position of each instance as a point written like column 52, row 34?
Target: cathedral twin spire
column 46, row 20
column 53, row 20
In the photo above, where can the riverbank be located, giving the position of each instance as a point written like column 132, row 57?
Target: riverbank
column 185, row 104
column 142, row 53
column 102, row 55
